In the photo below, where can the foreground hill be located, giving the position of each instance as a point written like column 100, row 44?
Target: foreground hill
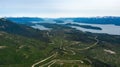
column 19, row 51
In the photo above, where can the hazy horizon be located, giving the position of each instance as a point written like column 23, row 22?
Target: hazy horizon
column 59, row 8
column 60, row 16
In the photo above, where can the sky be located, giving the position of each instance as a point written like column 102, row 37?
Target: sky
column 59, row 8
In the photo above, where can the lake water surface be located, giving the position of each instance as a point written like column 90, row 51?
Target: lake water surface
column 106, row 28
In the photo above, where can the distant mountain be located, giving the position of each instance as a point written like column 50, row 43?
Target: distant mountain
column 24, row 19
column 98, row 20
column 91, row 20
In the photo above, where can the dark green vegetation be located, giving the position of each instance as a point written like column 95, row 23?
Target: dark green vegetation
column 20, row 29
column 23, row 46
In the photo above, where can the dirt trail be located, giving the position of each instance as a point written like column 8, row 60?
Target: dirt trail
column 44, row 60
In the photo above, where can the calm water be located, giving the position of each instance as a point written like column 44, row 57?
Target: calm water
column 106, row 28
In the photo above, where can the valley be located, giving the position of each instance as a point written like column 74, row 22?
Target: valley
column 62, row 46
column 78, row 63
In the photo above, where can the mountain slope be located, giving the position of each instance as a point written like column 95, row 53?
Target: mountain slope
column 19, row 51
column 19, row 29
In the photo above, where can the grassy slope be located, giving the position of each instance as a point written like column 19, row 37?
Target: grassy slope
column 20, row 50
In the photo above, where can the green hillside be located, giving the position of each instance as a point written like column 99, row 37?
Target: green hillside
column 23, row 46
